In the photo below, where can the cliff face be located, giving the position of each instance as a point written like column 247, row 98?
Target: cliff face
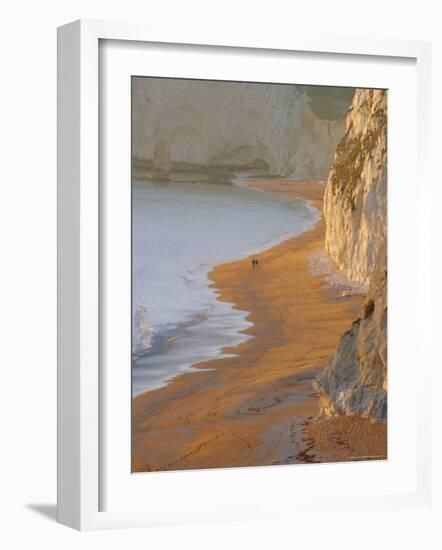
column 355, row 210
column 283, row 129
column 355, row 201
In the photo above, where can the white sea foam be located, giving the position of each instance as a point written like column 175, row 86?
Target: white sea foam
column 142, row 331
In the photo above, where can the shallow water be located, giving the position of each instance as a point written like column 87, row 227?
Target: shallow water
column 180, row 232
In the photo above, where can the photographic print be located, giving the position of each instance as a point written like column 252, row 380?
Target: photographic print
column 259, row 274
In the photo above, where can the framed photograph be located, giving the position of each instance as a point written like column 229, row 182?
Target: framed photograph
column 237, row 335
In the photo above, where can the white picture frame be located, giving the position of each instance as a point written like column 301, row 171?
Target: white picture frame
column 79, row 295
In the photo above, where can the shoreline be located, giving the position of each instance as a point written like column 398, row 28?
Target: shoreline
column 257, row 408
column 198, row 332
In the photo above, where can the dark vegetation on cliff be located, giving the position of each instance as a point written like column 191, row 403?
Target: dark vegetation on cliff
column 352, row 154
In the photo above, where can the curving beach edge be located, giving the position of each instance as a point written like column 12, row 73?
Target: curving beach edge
column 259, row 407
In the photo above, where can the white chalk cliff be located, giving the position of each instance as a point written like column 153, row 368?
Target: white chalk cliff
column 283, row 129
column 355, row 200
column 355, row 211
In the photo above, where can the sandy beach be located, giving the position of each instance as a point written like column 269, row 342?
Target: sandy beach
column 259, row 408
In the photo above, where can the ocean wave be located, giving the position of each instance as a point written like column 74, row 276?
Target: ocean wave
column 195, row 276
column 142, row 332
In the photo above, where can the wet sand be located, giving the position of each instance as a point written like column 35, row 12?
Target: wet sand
column 259, row 408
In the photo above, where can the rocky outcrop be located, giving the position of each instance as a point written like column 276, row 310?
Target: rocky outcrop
column 355, row 211
column 281, row 129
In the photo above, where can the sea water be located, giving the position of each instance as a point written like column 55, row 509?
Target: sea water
column 180, row 231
